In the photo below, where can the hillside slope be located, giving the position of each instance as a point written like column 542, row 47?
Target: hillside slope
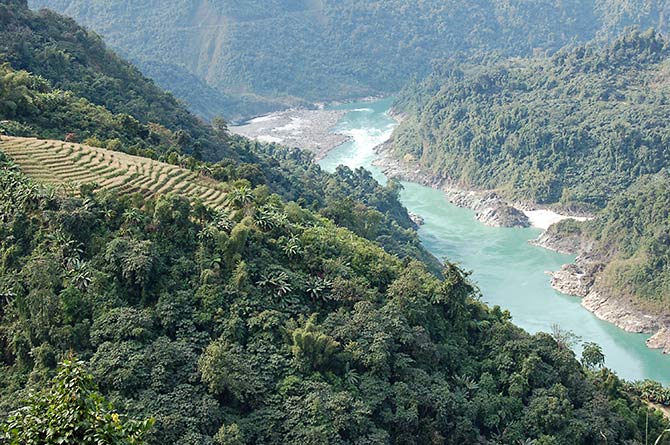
column 73, row 165
column 586, row 129
column 266, row 323
column 331, row 49
column 574, row 129
column 31, row 106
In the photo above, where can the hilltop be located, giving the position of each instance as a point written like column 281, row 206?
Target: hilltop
column 317, row 50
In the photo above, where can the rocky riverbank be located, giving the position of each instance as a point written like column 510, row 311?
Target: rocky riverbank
column 581, row 279
column 302, row 128
column 490, row 208
column 563, row 241
column 584, row 279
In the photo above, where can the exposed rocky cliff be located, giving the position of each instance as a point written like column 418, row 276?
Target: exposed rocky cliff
column 489, row 207
column 584, row 279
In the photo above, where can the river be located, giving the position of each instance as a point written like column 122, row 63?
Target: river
column 509, row 271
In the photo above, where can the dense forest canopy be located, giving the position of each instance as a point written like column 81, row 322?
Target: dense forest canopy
column 266, row 323
column 576, row 128
column 289, row 50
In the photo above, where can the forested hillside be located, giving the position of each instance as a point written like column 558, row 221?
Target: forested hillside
column 319, row 50
column 586, row 129
column 294, row 308
column 31, row 106
column 631, row 241
column 576, row 128
column 635, row 230
column 265, row 323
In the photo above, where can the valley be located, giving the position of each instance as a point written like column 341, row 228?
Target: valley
column 409, row 269
column 456, row 231
column 508, row 270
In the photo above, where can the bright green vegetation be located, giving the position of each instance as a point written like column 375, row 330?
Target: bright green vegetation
column 634, row 232
column 574, row 129
column 71, row 411
column 262, row 322
column 74, row 165
column 288, row 50
column 632, row 236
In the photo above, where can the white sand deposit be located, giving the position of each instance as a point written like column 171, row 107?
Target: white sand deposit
column 308, row 129
column 542, row 219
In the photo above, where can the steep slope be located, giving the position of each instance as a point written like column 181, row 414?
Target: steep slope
column 265, row 323
column 332, row 49
column 74, row 59
column 31, row 106
column 574, row 129
column 261, row 321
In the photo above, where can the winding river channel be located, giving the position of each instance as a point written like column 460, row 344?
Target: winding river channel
column 509, row 271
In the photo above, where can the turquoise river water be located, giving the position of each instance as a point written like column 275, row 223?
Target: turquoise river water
column 509, row 271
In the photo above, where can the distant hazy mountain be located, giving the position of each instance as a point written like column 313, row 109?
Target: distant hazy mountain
column 316, row 50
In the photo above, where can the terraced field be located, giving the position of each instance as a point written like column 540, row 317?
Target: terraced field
column 71, row 165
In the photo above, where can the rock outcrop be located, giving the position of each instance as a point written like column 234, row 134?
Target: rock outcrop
column 565, row 243
column 660, row 340
column 490, row 209
column 416, row 219
column 583, row 279
column 621, row 311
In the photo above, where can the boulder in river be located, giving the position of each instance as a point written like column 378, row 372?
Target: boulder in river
column 416, row 219
column 489, row 208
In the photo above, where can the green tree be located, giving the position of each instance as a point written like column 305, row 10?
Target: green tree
column 72, row 412
column 220, row 127
column 592, row 355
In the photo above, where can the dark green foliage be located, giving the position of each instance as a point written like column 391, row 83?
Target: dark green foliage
column 334, row 49
column 266, row 323
column 77, row 60
column 574, row 129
